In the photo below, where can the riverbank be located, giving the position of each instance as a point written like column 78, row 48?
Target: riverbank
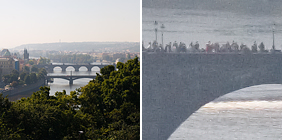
column 21, row 92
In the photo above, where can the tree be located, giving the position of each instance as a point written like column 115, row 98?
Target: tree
column 26, row 69
column 27, row 79
column 22, row 75
column 43, row 71
column 9, row 78
column 15, row 72
column 113, row 99
column 34, row 69
column 31, row 62
column 41, row 117
column 108, row 107
column 33, row 78
column 41, row 74
column 43, row 61
column 6, row 78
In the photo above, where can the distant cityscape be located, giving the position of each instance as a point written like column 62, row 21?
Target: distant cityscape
column 24, row 60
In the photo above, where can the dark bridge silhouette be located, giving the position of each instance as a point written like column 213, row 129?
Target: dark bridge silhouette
column 176, row 85
column 70, row 78
column 63, row 66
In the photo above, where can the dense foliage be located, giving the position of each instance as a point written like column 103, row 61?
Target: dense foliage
column 25, row 77
column 43, row 61
column 75, row 58
column 108, row 107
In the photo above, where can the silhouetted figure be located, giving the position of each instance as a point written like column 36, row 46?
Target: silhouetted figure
column 168, row 47
column 197, row 45
column 261, row 47
column 254, row 47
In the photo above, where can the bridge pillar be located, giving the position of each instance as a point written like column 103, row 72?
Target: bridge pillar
column 71, row 82
column 63, row 69
column 76, row 68
column 89, row 68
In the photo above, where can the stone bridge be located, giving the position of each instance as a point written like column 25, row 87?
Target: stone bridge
column 176, row 85
column 63, row 66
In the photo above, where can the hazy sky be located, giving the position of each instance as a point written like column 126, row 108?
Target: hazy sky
column 47, row 21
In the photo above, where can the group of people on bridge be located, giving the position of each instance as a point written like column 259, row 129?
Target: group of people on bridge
column 210, row 47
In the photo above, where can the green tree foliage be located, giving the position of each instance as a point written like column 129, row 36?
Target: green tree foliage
column 34, row 69
column 11, row 77
column 43, row 71
column 33, row 78
column 43, row 61
column 113, row 99
column 27, row 79
column 41, row 74
column 41, row 117
column 31, row 62
column 108, row 107
column 22, row 75
column 26, row 69
column 75, row 58
column 15, row 72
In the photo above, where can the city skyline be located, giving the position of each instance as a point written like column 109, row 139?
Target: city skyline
column 30, row 21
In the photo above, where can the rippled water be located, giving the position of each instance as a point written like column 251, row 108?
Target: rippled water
column 250, row 113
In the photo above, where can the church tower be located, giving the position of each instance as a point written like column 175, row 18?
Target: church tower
column 26, row 56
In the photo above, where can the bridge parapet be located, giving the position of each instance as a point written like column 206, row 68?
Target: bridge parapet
column 63, row 66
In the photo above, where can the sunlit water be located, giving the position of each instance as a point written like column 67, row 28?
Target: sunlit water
column 250, row 113
column 62, row 84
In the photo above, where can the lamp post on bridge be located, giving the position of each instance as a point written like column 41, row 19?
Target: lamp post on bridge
column 162, row 27
column 273, row 28
column 156, row 30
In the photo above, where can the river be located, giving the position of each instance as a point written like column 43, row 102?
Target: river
column 62, row 84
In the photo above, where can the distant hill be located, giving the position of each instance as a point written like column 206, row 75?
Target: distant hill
column 84, row 46
column 253, row 7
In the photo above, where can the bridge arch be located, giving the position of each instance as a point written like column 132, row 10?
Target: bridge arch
column 176, row 85
column 96, row 68
column 56, row 68
column 219, row 110
column 73, row 67
column 83, row 68
column 70, row 68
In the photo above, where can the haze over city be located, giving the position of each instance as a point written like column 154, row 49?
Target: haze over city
column 30, row 21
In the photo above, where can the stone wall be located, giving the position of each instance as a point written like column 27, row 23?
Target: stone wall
column 175, row 85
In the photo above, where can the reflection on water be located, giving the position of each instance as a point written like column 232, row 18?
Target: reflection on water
column 250, row 113
column 62, row 84
column 254, row 105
